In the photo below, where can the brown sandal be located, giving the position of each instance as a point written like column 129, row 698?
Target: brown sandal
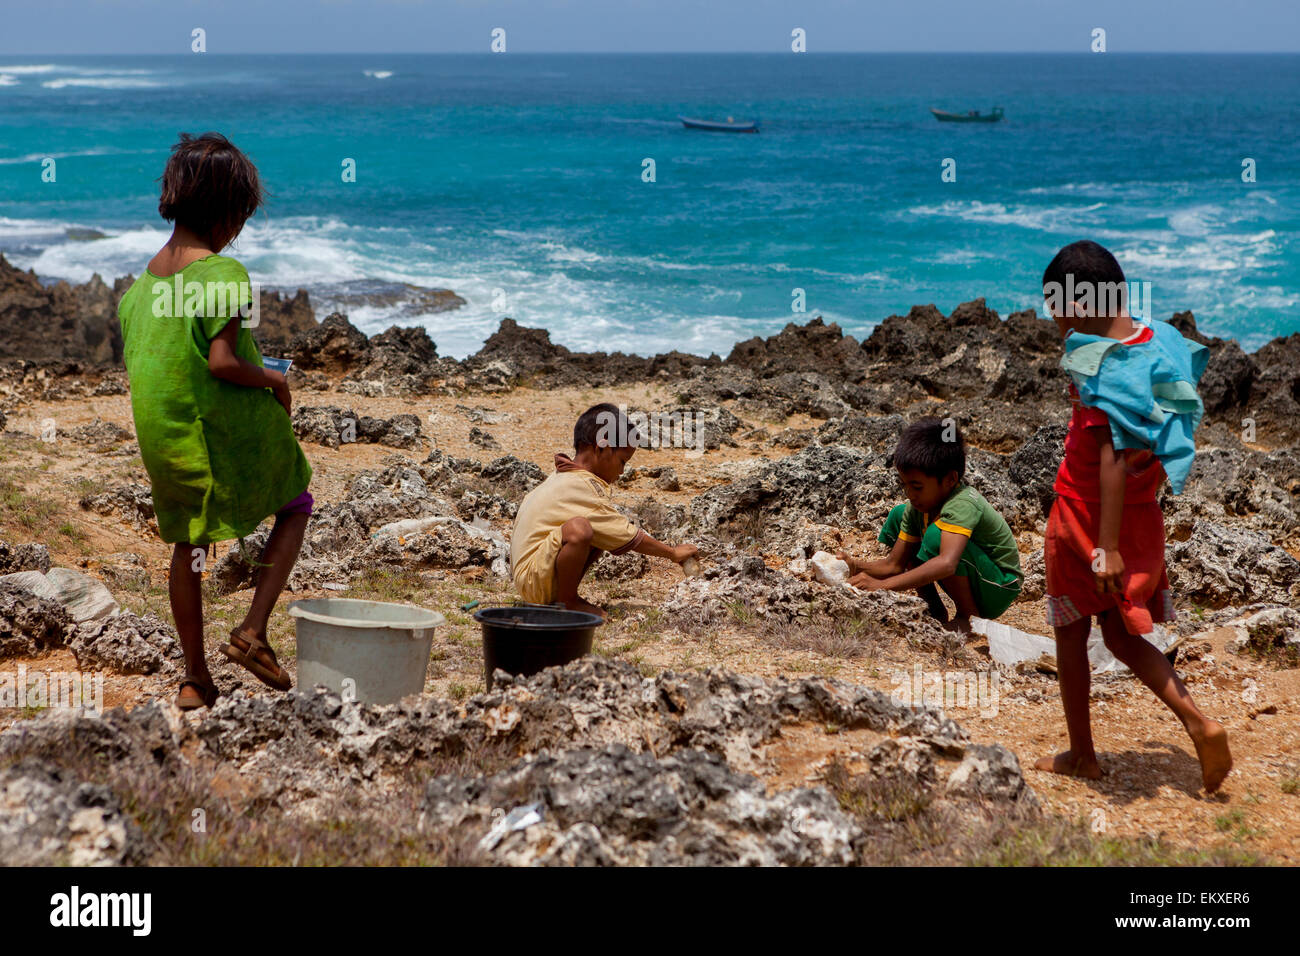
column 247, row 658
column 208, row 695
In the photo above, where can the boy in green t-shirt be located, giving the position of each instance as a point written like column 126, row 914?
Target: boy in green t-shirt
column 946, row 533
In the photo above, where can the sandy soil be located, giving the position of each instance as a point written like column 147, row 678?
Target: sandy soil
column 1152, row 781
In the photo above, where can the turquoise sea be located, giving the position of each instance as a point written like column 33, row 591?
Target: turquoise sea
column 517, row 181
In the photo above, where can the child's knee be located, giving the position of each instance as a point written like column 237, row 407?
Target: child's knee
column 577, row 531
column 959, row 579
column 893, row 524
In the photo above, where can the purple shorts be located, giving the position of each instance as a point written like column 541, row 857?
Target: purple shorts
column 300, row 505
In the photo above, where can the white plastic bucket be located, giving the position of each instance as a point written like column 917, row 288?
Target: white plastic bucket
column 382, row 649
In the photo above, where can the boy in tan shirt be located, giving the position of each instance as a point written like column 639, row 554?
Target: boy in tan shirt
column 569, row 519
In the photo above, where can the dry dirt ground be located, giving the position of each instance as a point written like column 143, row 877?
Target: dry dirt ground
column 1151, row 786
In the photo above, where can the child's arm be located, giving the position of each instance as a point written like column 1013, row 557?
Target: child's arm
column 900, row 556
column 942, row 565
column 1112, row 479
column 657, row 549
column 224, row 364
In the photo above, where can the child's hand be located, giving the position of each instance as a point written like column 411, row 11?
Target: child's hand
column 684, row 551
column 848, row 559
column 280, row 389
column 866, row 582
column 1108, row 576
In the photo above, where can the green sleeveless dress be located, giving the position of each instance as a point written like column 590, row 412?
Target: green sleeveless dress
column 221, row 457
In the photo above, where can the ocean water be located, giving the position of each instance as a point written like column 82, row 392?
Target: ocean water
column 517, row 181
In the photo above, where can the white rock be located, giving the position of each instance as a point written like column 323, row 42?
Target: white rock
column 500, row 560
column 408, row 526
column 33, row 581
column 1267, row 625
column 829, row 569
column 85, row 598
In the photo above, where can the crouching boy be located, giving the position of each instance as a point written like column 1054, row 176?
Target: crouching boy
column 566, row 522
column 946, row 533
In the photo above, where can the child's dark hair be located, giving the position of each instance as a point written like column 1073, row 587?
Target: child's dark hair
column 933, row 447
column 605, row 421
column 209, row 186
column 1088, row 262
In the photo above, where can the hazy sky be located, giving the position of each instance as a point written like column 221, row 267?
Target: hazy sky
column 541, row 26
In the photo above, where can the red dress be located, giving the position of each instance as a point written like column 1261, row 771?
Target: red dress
column 1075, row 520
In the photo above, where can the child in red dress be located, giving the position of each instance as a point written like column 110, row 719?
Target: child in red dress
column 1105, row 535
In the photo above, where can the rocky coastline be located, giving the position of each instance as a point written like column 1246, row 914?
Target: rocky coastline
column 624, row 762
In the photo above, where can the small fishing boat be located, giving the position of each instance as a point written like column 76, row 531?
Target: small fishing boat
column 974, row 116
column 729, row 125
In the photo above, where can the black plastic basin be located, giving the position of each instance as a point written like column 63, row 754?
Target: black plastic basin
column 525, row 639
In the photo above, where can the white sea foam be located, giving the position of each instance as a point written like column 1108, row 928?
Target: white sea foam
column 1204, row 221
column 1115, row 192
column 590, row 297
column 101, row 83
column 584, row 315
column 72, row 68
column 110, row 257
column 28, row 230
column 91, row 77
column 302, row 250
column 1191, row 222
column 379, row 74
column 657, row 262
column 24, row 69
column 40, row 157
column 1038, row 218
column 794, row 272
column 559, row 252
column 1188, row 258
column 959, row 257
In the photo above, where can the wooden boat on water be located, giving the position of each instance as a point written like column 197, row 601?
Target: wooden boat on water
column 974, row 116
column 729, row 125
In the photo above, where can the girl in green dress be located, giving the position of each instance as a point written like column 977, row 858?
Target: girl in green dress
column 212, row 423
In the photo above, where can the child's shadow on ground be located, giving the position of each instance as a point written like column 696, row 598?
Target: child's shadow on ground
column 1134, row 774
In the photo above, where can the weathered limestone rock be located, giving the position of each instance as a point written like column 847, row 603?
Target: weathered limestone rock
column 1271, row 628
column 1219, row 566
column 616, row 807
column 79, row 594
column 23, row 557
column 128, row 644
column 49, row 819
column 29, row 622
column 132, row 502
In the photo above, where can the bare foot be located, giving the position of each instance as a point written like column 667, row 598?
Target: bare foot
column 1069, row 765
column 1212, row 751
column 578, row 604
